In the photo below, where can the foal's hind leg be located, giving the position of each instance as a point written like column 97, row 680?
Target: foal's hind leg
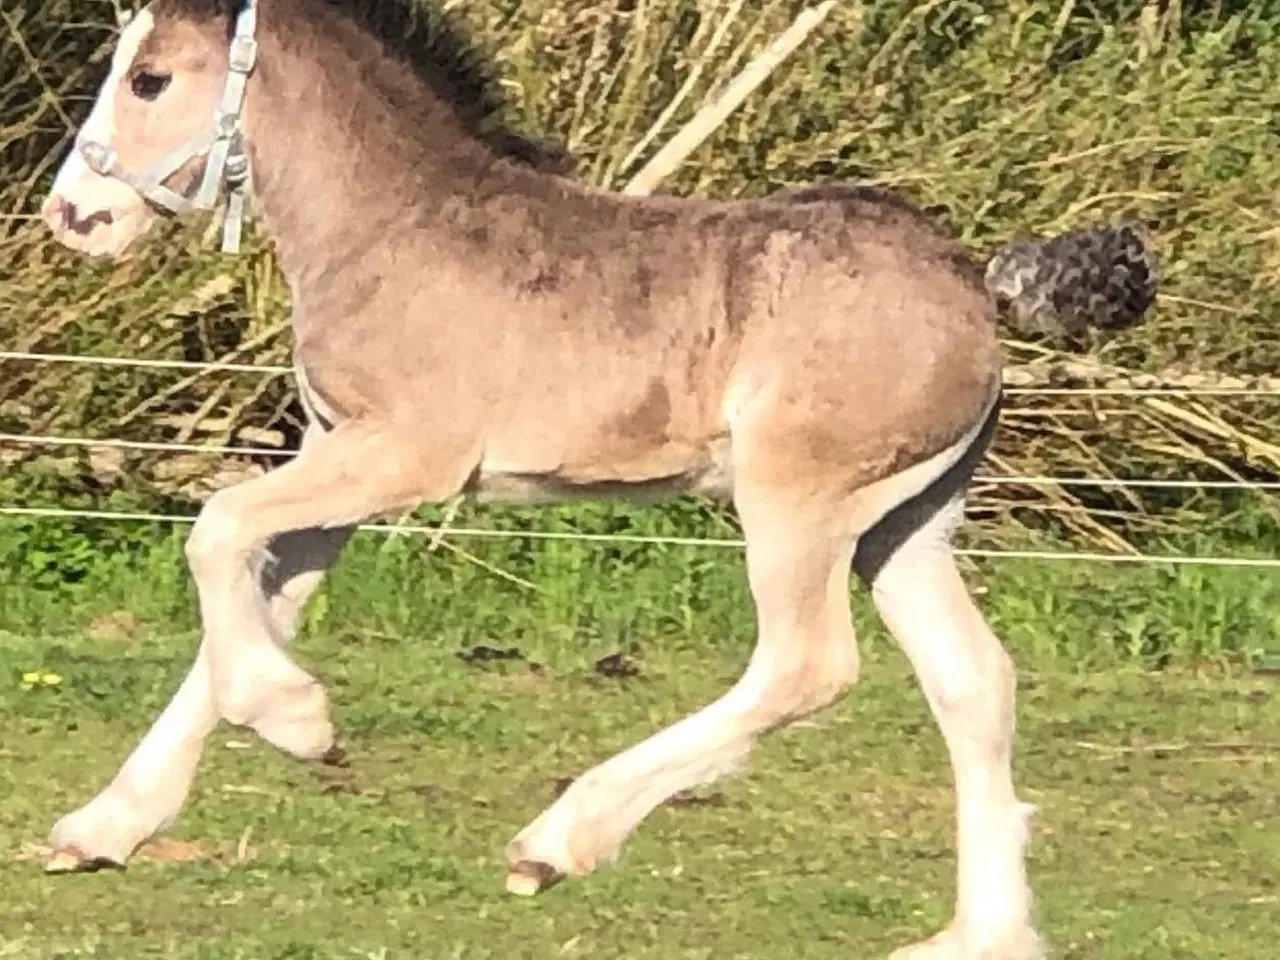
column 969, row 682
column 147, row 793
column 798, row 566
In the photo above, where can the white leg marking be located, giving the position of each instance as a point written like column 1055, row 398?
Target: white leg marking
column 327, row 486
column 798, row 563
column 969, row 681
column 806, row 657
column 147, row 793
column 74, row 176
column 254, row 682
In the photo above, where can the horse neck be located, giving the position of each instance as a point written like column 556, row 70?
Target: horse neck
column 349, row 150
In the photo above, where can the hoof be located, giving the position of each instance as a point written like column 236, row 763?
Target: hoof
column 103, row 834
column 71, row 860
column 335, row 756
column 525, row 878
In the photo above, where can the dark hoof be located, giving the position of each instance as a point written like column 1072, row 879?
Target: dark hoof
column 335, row 756
column 71, row 860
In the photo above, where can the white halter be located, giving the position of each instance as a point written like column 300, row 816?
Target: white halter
column 226, row 163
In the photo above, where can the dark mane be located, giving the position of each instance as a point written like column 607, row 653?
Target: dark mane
column 440, row 48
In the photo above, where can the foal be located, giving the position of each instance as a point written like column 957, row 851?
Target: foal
column 467, row 319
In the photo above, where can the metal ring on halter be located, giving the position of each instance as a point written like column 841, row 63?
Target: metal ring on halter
column 98, row 157
column 237, row 166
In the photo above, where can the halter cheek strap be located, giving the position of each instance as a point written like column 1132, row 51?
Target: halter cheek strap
column 226, row 162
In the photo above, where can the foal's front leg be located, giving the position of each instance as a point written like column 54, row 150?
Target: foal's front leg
column 358, row 471
column 304, row 510
column 147, row 793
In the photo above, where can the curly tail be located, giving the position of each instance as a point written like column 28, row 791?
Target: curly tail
column 1101, row 276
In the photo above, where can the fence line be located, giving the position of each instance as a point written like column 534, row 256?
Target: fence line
column 34, row 440
column 650, row 540
column 653, row 540
column 163, row 446
column 1242, row 392
column 278, row 370
column 142, row 363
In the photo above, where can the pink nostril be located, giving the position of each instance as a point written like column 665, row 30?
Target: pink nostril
column 84, row 223
column 61, row 215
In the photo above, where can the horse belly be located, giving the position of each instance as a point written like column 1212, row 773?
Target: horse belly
column 708, row 473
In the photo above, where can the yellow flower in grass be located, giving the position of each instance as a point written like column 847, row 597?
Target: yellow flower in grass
column 39, row 678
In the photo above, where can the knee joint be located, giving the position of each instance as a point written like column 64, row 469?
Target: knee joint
column 217, row 533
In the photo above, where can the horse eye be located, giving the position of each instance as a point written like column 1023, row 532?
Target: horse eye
column 148, row 86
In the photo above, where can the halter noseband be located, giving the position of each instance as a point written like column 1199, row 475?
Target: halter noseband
column 226, row 163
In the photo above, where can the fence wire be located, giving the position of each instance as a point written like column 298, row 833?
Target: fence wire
column 164, row 446
column 654, row 540
column 266, row 369
column 437, row 532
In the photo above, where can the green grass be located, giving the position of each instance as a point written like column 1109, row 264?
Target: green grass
column 1153, row 839
column 1156, row 833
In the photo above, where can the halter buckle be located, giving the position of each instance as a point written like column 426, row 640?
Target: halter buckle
column 236, row 170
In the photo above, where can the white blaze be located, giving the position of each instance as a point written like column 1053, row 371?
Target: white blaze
column 100, row 125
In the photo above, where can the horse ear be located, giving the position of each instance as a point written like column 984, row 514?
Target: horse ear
column 123, row 14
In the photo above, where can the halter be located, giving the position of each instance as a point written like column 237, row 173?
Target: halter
column 226, row 163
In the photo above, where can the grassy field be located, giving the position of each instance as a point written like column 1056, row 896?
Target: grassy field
column 1156, row 835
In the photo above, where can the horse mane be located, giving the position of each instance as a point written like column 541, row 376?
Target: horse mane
column 441, row 50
